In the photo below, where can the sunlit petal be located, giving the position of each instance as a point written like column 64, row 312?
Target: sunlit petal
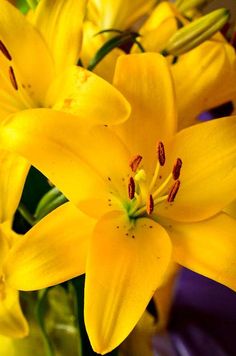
column 60, row 23
column 83, row 165
column 13, row 174
column 31, row 60
column 150, row 93
column 53, row 251
column 74, row 90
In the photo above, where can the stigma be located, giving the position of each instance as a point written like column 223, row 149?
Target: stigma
column 144, row 195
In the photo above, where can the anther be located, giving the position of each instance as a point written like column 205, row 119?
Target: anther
column 173, row 191
column 5, row 51
column 150, row 204
column 177, row 169
column 161, row 153
column 131, row 188
column 134, row 163
column 13, row 78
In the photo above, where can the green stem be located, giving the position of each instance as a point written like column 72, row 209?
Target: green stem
column 26, row 214
column 40, row 317
column 32, row 3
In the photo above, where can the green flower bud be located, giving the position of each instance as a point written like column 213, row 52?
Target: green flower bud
column 198, row 31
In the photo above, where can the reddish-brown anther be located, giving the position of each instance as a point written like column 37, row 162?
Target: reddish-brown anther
column 134, row 162
column 173, row 192
column 13, row 78
column 177, row 169
column 161, row 153
column 5, row 51
column 150, row 204
column 131, row 188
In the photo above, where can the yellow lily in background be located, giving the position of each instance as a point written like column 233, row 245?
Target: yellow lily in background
column 141, row 197
column 119, row 14
column 109, row 14
column 210, row 75
column 33, row 73
column 198, row 74
column 32, row 76
column 12, row 321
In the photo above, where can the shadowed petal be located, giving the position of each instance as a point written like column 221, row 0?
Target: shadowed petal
column 208, row 153
column 120, row 277
column 207, row 248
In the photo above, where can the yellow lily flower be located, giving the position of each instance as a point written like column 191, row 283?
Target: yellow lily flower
column 12, row 321
column 134, row 209
column 38, row 70
column 32, row 76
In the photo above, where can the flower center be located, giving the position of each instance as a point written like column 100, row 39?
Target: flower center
column 145, row 196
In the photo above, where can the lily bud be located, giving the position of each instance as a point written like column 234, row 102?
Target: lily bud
column 198, row 31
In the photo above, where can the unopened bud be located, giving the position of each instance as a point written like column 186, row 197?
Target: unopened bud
column 198, row 31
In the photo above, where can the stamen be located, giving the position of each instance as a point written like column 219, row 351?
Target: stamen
column 161, row 153
column 150, row 204
column 135, row 161
column 131, row 188
column 5, row 51
column 173, row 192
column 13, row 78
column 177, row 169
column 162, row 186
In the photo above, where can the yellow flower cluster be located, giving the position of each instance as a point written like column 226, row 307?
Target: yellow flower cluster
column 148, row 184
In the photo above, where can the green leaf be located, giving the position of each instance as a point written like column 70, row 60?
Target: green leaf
column 114, row 42
column 22, row 6
column 49, row 202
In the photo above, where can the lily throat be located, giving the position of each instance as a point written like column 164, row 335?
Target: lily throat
column 145, row 194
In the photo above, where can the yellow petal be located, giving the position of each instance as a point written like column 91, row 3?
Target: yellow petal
column 208, row 153
column 14, row 170
column 158, row 28
column 12, row 321
column 31, row 60
column 204, row 78
column 83, row 165
column 83, row 93
column 208, row 248
column 53, row 251
column 120, row 278
column 120, row 14
column 145, row 81
column 155, row 40
column 4, row 245
column 165, row 10
column 60, row 23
